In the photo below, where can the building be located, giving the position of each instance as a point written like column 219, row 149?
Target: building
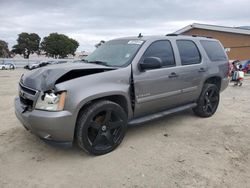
column 236, row 40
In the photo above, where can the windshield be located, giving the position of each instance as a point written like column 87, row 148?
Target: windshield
column 116, row 53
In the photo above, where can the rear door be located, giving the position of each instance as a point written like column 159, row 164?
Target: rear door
column 193, row 69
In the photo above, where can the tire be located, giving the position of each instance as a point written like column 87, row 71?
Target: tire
column 208, row 101
column 101, row 127
column 3, row 68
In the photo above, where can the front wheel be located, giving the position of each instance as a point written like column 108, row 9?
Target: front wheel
column 101, row 127
column 208, row 101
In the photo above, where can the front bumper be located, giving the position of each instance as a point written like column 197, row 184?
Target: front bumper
column 54, row 127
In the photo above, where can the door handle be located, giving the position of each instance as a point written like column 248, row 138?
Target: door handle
column 202, row 70
column 173, row 75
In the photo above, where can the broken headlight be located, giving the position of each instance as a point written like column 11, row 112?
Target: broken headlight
column 51, row 101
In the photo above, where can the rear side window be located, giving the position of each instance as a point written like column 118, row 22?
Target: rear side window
column 189, row 52
column 163, row 50
column 213, row 50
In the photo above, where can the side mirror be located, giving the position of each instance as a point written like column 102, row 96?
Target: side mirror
column 151, row 63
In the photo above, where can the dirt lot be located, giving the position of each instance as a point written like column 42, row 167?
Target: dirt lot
column 180, row 150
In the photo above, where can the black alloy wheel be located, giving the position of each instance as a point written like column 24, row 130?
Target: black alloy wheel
column 208, row 101
column 101, row 127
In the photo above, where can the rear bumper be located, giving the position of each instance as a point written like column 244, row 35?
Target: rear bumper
column 57, row 127
column 224, row 84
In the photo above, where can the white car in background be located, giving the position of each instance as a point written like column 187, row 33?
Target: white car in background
column 7, row 66
column 32, row 66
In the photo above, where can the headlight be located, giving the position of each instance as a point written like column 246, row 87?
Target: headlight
column 51, row 101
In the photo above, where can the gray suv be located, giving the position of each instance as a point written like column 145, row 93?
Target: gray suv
column 126, row 81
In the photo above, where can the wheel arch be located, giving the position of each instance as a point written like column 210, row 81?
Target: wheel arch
column 216, row 80
column 116, row 98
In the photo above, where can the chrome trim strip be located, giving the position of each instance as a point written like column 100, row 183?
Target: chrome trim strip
column 159, row 96
column 189, row 89
column 163, row 95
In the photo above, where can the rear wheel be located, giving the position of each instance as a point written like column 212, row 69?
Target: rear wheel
column 208, row 101
column 101, row 127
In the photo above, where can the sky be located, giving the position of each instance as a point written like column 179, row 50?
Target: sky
column 88, row 22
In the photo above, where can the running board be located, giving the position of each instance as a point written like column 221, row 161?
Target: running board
column 158, row 115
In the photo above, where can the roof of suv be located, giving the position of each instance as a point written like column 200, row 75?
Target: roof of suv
column 162, row 37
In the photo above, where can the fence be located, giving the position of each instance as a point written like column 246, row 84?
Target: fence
column 20, row 63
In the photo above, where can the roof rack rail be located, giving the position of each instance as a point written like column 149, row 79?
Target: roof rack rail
column 171, row 34
column 202, row 36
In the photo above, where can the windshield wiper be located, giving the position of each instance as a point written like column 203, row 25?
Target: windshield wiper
column 98, row 62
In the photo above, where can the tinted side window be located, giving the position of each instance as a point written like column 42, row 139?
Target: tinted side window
column 189, row 52
column 214, row 50
column 162, row 50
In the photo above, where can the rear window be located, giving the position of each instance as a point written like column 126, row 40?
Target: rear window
column 214, row 50
column 189, row 52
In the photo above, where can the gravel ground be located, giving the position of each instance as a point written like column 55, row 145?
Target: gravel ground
column 180, row 150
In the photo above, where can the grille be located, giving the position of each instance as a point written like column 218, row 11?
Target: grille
column 27, row 96
column 27, row 90
column 26, row 102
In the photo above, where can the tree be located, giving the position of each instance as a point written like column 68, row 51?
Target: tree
column 4, row 50
column 58, row 45
column 100, row 43
column 27, row 44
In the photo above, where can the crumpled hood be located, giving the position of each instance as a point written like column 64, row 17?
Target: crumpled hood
column 44, row 78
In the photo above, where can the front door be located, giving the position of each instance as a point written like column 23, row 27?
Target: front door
column 157, row 89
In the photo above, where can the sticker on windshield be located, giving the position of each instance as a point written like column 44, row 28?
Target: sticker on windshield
column 127, row 55
column 139, row 42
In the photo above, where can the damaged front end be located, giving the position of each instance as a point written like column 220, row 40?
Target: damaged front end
column 37, row 88
column 40, row 106
column 33, row 99
column 51, row 101
column 44, row 79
